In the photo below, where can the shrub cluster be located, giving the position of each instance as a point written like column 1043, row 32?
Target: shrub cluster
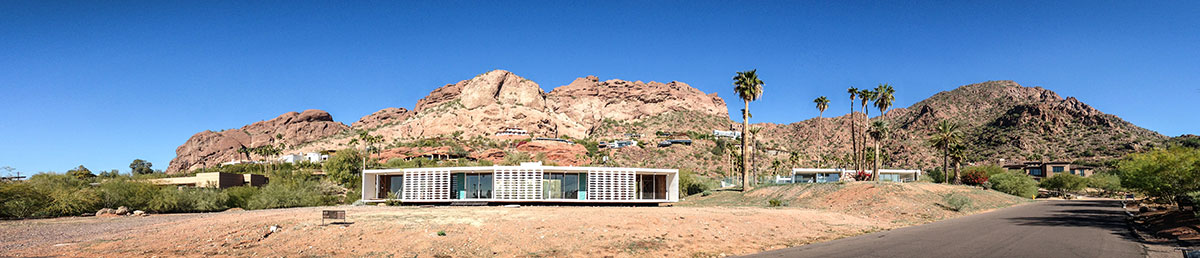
column 957, row 202
column 972, row 176
column 690, row 183
column 53, row 195
column 1018, row 184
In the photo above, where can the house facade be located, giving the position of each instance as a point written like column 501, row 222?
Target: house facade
column 529, row 182
column 1039, row 170
column 213, row 180
column 824, row 175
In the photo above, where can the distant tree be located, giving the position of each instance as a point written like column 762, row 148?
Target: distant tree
column 1162, row 173
column 140, row 167
column 8, row 170
column 245, row 151
column 80, row 172
column 879, row 132
column 822, row 104
column 1018, row 184
column 344, row 168
column 110, row 174
column 749, row 88
column 1107, row 182
column 853, row 135
column 945, row 135
column 1064, row 183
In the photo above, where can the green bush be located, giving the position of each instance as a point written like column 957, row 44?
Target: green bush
column 240, row 196
column 122, row 191
column 1107, row 182
column 1064, row 183
column 345, row 167
column 297, row 191
column 1161, row 173
column 957, row 202
column 1018, row 184
column 690, row 183
column 936, row 175
column 774, row 203
column 21, row 200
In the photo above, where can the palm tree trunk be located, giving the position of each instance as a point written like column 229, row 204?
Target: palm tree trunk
column 945, row 166
column 745, row 147
column 957, row 165
column 853, row 137
column 875, row 171
column 820, row 136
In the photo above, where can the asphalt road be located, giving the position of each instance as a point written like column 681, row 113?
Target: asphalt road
column 1061, row 229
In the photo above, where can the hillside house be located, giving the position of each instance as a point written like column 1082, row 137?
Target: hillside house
column 824, row 175
column 512, row 131
column 1039, row 170
column 213, row 180
column 727, row 134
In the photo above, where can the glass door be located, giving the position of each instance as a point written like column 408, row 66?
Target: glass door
column 478, row 186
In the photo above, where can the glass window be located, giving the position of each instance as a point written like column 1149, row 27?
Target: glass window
column 1057, row 169
column 571, row 186
column 395, row 186
column 1036, row 172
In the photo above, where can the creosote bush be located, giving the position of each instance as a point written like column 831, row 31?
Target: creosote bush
column 1018, row 184
column 957, row 202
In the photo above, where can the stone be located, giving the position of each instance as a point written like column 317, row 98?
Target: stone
column 121, row 210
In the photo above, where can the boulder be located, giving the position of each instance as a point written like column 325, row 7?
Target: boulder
column 121, row 210
column 105, row 211
column 139, row 213
column 209, row 149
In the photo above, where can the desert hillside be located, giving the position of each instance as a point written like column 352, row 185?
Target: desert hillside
column 1000, row 120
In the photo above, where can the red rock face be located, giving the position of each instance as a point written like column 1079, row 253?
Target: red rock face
column 208, row 148
column 381, row 118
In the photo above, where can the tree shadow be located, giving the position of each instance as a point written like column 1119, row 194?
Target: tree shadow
column 1105, row 215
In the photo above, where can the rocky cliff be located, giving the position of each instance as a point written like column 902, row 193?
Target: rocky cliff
column 208, row 148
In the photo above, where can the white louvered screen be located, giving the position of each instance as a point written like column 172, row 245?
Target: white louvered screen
column 610, row 184
column 427, row 185
column 518, row 184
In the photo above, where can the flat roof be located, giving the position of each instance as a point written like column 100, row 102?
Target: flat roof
column 492, row 168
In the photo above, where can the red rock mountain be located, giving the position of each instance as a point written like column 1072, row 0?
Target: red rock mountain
column 208, row 148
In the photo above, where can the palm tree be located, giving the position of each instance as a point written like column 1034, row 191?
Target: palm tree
column 749, row 88
column 884, row 98
column 244, row 151
column 822, row 104
column 945, row 135
column 853, row 136
column 793, row 159
column 754, row 153
column 867, row 96
column 879, row 131
column 958, row 153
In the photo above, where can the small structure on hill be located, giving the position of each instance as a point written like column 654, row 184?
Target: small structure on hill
column 507, row 131
column 668, row 143
column 727, row 134
column 618, row 144
column 553, row 140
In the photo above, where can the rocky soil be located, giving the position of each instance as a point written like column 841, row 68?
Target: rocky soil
column 720, row 225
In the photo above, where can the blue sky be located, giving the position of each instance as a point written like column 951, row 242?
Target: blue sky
column 100, row 83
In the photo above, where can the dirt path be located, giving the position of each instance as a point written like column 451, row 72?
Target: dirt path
column 469, row 232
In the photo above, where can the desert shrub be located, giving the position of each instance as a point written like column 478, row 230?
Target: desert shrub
column 1018, row 184
column 986, row 169
column 354, row 194
column 122, row 191
column 69, row 195
column 936, row 175
column 1107, row 182
column 293, row 190
column 1163, row 173
column 957, row 202
column 975, row 177
column 345, row 167
column 690, row 183
column 862, row 176
column 21, row 200
column 205, row 199
column 774, row 203
column 240, row 196
column 1064, row 183
column 168, row 199
column 706, row 193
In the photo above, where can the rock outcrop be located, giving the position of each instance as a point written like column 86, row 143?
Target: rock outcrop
column 208, row 148
column 380, row 118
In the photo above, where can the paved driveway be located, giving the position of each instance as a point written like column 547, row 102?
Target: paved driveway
column 1053, row 228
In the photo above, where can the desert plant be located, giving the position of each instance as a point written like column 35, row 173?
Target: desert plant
column 957, row 202
column 774, row 203
column 240, row 196
column 1018, row 184
column 1163, row 173
column 945, row 136
column 1064, row 183
column 974, row 177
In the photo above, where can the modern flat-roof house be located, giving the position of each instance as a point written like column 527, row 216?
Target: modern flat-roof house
column 823, row 175
column 1039, row 170
column 213, row 179
column 528, row 183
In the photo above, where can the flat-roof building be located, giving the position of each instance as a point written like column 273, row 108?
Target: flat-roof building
column 213, row 179
column 1039, row 170
column 529, row 182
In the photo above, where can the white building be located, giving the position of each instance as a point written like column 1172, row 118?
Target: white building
column 313, row 157
column 822, row 175
column 529, row 182
column 512, row 131
column 727, row 134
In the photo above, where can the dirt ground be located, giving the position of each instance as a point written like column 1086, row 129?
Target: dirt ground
column 690, row 229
